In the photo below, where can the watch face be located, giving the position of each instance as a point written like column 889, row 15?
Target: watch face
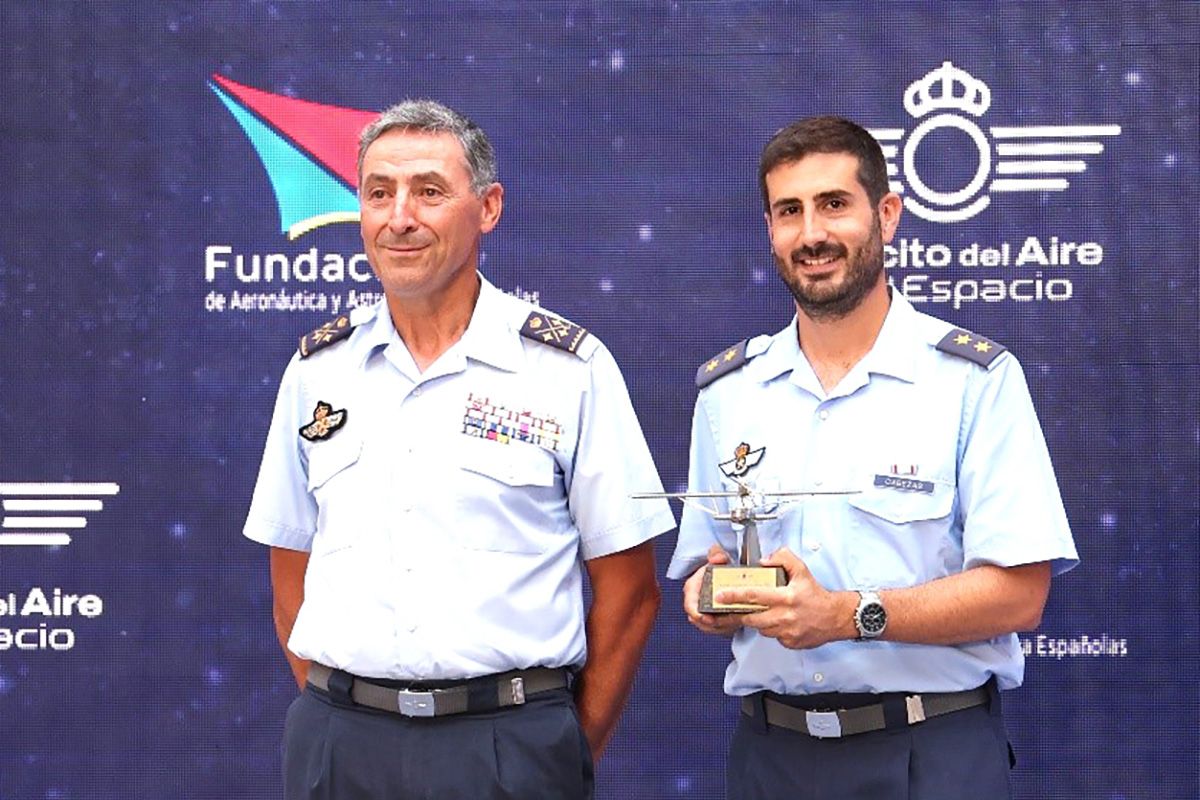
column 872, row 619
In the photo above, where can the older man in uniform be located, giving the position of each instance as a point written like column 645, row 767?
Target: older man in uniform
column 874, row 673
column 436, row 468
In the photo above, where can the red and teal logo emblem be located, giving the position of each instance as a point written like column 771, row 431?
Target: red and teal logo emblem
column 309, row 150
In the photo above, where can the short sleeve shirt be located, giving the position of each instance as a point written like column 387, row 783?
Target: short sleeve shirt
column 950, row 470
column 447, row 516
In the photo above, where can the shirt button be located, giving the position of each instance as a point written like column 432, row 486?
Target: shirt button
column 417, row 392
column 818, row 481
column 814, row 546
column 818, row 677
column 824, row 413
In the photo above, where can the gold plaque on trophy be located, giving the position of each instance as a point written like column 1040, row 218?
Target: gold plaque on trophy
column 719, row 577
column 744, row 508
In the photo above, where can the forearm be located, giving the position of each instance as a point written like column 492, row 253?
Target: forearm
column 283, row 630
column 974, row 605
column 977, row 604
column 288, row 568
column 622, row 614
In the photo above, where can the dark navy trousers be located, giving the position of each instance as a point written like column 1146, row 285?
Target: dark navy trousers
column 536, row 750
column 953, row 757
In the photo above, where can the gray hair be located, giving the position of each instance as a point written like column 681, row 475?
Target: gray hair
column 429, row 116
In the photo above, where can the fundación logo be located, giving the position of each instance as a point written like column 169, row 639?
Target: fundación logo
column 1022, row 158
column 310, row 154
column 309, row 151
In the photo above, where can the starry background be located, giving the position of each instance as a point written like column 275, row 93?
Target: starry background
column 628, row 136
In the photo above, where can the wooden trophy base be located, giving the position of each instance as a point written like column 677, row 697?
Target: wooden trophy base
column 719, row 577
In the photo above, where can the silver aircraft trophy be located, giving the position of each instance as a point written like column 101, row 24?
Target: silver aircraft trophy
column 746, row 508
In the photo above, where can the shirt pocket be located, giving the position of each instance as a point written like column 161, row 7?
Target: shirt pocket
column 332, row 483
column 510, row 497
column 900, row 537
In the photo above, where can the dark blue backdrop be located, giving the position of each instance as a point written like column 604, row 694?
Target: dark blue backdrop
column 628, row 136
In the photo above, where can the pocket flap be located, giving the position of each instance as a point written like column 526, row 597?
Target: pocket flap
column 899, row 505
column 513, row 464
column 328, row 458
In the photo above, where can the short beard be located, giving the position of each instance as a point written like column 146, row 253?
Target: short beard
column 863, row 271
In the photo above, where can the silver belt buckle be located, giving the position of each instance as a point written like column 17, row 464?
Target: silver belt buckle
column 915, row 707
column 823, row 724
column 416, row 704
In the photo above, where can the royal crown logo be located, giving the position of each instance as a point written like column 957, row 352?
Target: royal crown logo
column 1029, row 158
column 975, row 97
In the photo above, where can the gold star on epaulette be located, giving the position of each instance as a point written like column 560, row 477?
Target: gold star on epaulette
column 721, row 364
column 554, row 331
column 971, row 346
column 330, row 333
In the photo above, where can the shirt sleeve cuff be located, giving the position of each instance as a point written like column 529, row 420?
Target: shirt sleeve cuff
column 275, row 535
column 683, row 567
column 627, row 536
column 1060, row 561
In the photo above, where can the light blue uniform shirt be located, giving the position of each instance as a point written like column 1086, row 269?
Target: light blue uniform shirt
column 437, row 554
column 968, row 435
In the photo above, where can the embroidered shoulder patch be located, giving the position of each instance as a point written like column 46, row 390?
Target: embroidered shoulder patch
column 554, row 331
column 324, row 422
column 722, row 363
column 331, row 332
column 971, row 346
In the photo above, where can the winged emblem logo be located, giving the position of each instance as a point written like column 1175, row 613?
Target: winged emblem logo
column 325, row 421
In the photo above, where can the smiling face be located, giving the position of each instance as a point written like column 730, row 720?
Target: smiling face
column 826, row 236
column 421, row 221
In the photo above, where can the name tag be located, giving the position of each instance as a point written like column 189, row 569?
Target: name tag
column 904, row 484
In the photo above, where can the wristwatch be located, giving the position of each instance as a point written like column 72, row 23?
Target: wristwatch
column 870, row 617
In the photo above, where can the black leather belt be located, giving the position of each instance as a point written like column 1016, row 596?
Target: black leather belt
column 473, row 695
column 842, row 722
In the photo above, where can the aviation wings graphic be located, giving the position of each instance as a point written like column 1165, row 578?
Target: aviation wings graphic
column 1025, row 158
column 309, row 150
column 34, row 501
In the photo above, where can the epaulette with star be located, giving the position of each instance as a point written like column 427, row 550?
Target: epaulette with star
column 722, row 364
column 554, row 331
column 331, row 332
column 971, row 346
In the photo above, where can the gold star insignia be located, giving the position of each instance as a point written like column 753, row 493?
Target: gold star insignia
column 731, row 355
column 711, row 366
column 962, row 338
column 982, row 347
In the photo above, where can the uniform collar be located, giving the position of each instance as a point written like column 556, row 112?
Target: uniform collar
column 493, row 335
column 490, row 336
column 782, row 355
column 377, row 330
column 892, row 353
